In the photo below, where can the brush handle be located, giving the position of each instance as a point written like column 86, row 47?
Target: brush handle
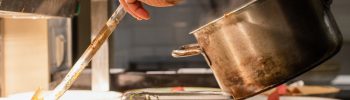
column 84, row 60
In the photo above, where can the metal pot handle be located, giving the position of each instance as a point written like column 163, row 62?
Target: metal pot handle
column 187, row 50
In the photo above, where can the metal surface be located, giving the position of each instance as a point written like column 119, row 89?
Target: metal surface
column 193, row 95
column 187, row 50
column 84, row 60
column 266, row 43
column 65, row 8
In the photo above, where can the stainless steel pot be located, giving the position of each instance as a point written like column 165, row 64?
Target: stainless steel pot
column 264, row 43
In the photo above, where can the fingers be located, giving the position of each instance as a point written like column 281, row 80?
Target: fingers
column 130, row 1
column 161, row 3
column 135, row 8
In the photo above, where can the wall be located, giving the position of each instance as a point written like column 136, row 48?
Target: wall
column 341, row 13
column 153, row 40
column 340, row 9
column 25, row 60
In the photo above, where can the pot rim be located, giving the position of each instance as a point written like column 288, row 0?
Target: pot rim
column 211, row 23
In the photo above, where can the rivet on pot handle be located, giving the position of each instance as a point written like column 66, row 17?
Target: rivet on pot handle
column 187, row 50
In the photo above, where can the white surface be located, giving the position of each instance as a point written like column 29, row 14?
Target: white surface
column 73, row 95
column 116, row 70
column 161, row 72
column 341, row 80
column 262, row 97
column 194, row 71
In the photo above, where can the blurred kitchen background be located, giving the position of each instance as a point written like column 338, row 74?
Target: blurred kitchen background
column 139, row 52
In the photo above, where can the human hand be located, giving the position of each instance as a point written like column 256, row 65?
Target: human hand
column 135, row 8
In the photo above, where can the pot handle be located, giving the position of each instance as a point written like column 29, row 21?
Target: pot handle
column 187, row 50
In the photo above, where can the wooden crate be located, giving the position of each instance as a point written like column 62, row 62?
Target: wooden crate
column 24, row 55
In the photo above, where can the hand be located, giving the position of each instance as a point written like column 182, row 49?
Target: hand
column 135, row 8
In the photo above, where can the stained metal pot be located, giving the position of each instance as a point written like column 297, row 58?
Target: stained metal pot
column 264, row 43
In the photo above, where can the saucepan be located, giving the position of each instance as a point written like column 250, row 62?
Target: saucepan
column 264, row 43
